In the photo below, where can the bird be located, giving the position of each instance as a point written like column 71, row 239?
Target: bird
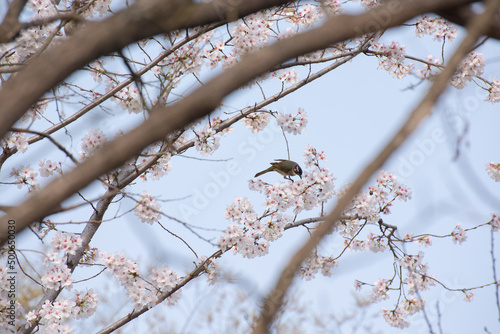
column 287, row 168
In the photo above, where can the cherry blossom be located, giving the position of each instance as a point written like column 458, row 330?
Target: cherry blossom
column 495, row 222
column 437, row 27
column 472, row 66
column 379, row 198
column 68, row 243
column 25, row 176
column 391, row 58
column 57, row 276
column 375, row 243
column 493, row 170
column 86, row 303
column 313, row 157
column 248, row 233
column 494, row 91
column 293, row 124
column 215, row 54
column 212, row 268
column 380, row 290
column 42, row 8
column 47, row 167
column 98, row 8
column 314, row 188
column 148, row 209
column 252, row 34
column 431, row 68
column 317, row 263
column 240, row 210
column 419, row 280
column 35, row 112
column 412, row 305
column 55, row 314
column 93, row 140
column 288, row 77
column 122, row 268
column 129, row 99
column 126, row 271
column 395, row 318
column 217, row 123
column 256, row 121
column 17, row 140
column 369, row 3
column 424, row 241
column 305, row 15
column 207, row 141
column 162, row 166
column 458, row 234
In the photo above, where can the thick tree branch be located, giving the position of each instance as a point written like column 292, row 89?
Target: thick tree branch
column 10, row 26
column 462, row 15
column 275, row 298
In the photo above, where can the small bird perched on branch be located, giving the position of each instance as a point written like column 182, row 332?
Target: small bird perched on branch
column 287, row 168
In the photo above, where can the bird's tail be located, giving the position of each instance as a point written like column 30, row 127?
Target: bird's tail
column 270, row 169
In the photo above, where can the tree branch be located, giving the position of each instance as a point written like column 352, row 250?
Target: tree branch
column 10, row 26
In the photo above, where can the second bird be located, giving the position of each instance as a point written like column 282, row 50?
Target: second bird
column 284, row 167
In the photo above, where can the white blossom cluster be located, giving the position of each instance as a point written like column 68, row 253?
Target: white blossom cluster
column 248, row 234
column 493, row 171
column 293, row 124
column 437, row 27
column 471, row 67
column 392, row 59
column 148, row 209
column 416, row 278
column 91, row 141
column 206, row 141
column 369, row 205
column 256, row 121
column 316, row 263
column 142, row 291
column 54, row 315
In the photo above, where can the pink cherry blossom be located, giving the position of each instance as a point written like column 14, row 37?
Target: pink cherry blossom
column 493, row 170
column 256, row 121
column 293, row 124
column 148, row 209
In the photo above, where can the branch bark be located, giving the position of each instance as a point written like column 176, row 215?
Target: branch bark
column 274, row 300
column 10, row 26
